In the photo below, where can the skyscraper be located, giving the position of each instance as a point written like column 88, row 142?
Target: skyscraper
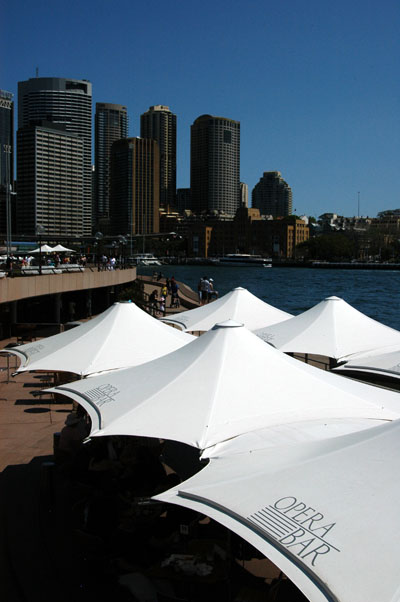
column 134, row 187
column 67, row 102
column 6, row 157
column 50, row 167
column 272, row 195
column 159, row 124
column 111, row 124
column 215, row 164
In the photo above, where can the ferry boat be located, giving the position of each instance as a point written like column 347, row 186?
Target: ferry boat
column 244, row 260
column 145, row 259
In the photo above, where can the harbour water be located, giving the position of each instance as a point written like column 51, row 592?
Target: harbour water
column 375, row 293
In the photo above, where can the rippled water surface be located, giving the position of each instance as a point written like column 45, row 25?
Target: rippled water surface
column 373, row 292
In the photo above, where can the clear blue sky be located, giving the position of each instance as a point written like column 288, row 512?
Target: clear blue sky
column 315, row 84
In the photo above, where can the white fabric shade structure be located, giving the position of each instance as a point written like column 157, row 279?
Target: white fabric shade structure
column 43, row 249
column 384, row 364
column 332, row 328
column 325, row 512
column 239, row 305
column 123, row 335
column 62, row 249
column 223, row 384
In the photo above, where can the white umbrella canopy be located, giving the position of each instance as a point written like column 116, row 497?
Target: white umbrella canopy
column 62, row 249
column 43, row 249
column 123, row 335
column 384, row 364
column 332, row 328
column 239, row 304
column 324, row 512
column 224, row 384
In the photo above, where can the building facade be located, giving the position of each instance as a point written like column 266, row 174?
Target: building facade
column 51, row 180
column 6, row 158
column 111, row 124
column 159, row 124
column 65, row 102
column 244, row 195
column 134, row 187
column 272, row 195
column 215, row 165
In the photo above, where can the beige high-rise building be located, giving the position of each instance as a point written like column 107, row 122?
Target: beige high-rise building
column 159, row 124
column 134, row 187
column 51, row 180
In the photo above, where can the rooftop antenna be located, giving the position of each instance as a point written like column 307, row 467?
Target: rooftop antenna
column 37, row 71
column 358, row 205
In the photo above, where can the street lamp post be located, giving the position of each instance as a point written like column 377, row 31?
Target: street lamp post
column 39, row 231
column 7, row 151
column 98, row 236
column 122, row 242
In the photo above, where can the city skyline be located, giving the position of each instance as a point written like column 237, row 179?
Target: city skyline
column 313, row 86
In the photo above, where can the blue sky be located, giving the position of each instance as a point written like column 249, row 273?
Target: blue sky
column 315, row 84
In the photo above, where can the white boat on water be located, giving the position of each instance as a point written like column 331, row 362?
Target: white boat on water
column 145, row 259
column 244, row 260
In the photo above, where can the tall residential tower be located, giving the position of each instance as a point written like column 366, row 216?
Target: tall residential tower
column 159, row 124
column 66, row 103
column 134, row 187
column 111, row 124
column 215, row 164
column 272, row 195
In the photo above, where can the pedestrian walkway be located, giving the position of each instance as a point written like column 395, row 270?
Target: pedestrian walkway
column 27, row 424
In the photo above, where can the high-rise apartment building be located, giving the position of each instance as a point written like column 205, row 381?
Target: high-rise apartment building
column 66, row 102
column 215, row 164
column 51, row 180
column 111, row 124
column 272, row 195
column 134, row 187
column 6, row 157
column 159, row 124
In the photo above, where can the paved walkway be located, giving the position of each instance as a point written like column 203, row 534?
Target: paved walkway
column 27, row 425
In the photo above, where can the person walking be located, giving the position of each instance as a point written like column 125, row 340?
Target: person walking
column 204, row 290
column 153, row 302
column 174, row 293
column 200, row 290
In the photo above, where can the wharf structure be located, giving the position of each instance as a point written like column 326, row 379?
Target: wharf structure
column 49, row 300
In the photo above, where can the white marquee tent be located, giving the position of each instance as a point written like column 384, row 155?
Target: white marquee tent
column 332, row 328
column 62, row 249
column 239, row 304
column 123, row 335
column 223, row 384
column 43, row 249
column 324, row 512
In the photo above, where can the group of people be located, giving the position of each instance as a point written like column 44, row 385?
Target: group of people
column 158, row 305
column 205, row 290
column 107, row 263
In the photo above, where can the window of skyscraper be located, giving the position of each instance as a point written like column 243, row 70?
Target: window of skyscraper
column 227, row 136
